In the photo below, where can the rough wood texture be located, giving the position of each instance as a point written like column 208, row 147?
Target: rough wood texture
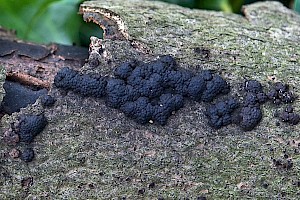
column 36, row 65
column 91, row 151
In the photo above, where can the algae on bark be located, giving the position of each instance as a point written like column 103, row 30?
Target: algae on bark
column 91, row 151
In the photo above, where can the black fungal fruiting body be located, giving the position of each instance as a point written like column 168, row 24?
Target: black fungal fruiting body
column 47, row 100
column 151, row 92
column 280, row 93
column 289, row 116
column 142, row 110
column 118, row 93
column 220, row 113
column 254, row 90
column 85, row 85
column 283, row 164
column 217, row 85
column 146, row 92
column 250, row 113
column 29, row 126
column 250, row 117
column 26, row 128
column 27, row 155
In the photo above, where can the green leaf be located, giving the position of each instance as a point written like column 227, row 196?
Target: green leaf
column 43, row 21
column 17, row 14
column 57, row 21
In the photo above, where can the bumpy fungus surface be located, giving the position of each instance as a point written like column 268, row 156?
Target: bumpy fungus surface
column 146, row 91
column 286, row 164
column 250, row 112
column 289, row 116
column 85, row 85
column 246, row 114
column 151, row 92
column 24, row 130
column 29, row 126
column 27, row 155
column 280, row 93
column 250, row 117
column 220, row 114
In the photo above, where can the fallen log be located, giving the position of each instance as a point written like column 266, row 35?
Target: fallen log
column 89, row 150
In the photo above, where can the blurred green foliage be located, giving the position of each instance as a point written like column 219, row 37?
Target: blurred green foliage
column 46, row 21
column 220, row 5
column 297, row 6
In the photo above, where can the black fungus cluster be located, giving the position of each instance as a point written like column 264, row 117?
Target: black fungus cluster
column 153, row 91
column 221, row 113
column 26, row 128
column 29, row 126
column 69, row 79
column 289, row 116
column 283, row 163
column 250, row 112
column 280, row 93
column 247, row 114
column 146, row 92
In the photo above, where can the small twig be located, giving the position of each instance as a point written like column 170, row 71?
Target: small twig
column 27, row 79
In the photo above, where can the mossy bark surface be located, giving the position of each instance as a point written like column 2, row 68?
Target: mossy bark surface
column 91, row 151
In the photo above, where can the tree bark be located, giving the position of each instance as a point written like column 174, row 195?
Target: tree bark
column 91, row 151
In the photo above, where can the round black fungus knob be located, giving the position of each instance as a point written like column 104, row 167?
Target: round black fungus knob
column 27, row 155
column 29, row 126
column 47, row 100
column 220, row 114
column 253, row 86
